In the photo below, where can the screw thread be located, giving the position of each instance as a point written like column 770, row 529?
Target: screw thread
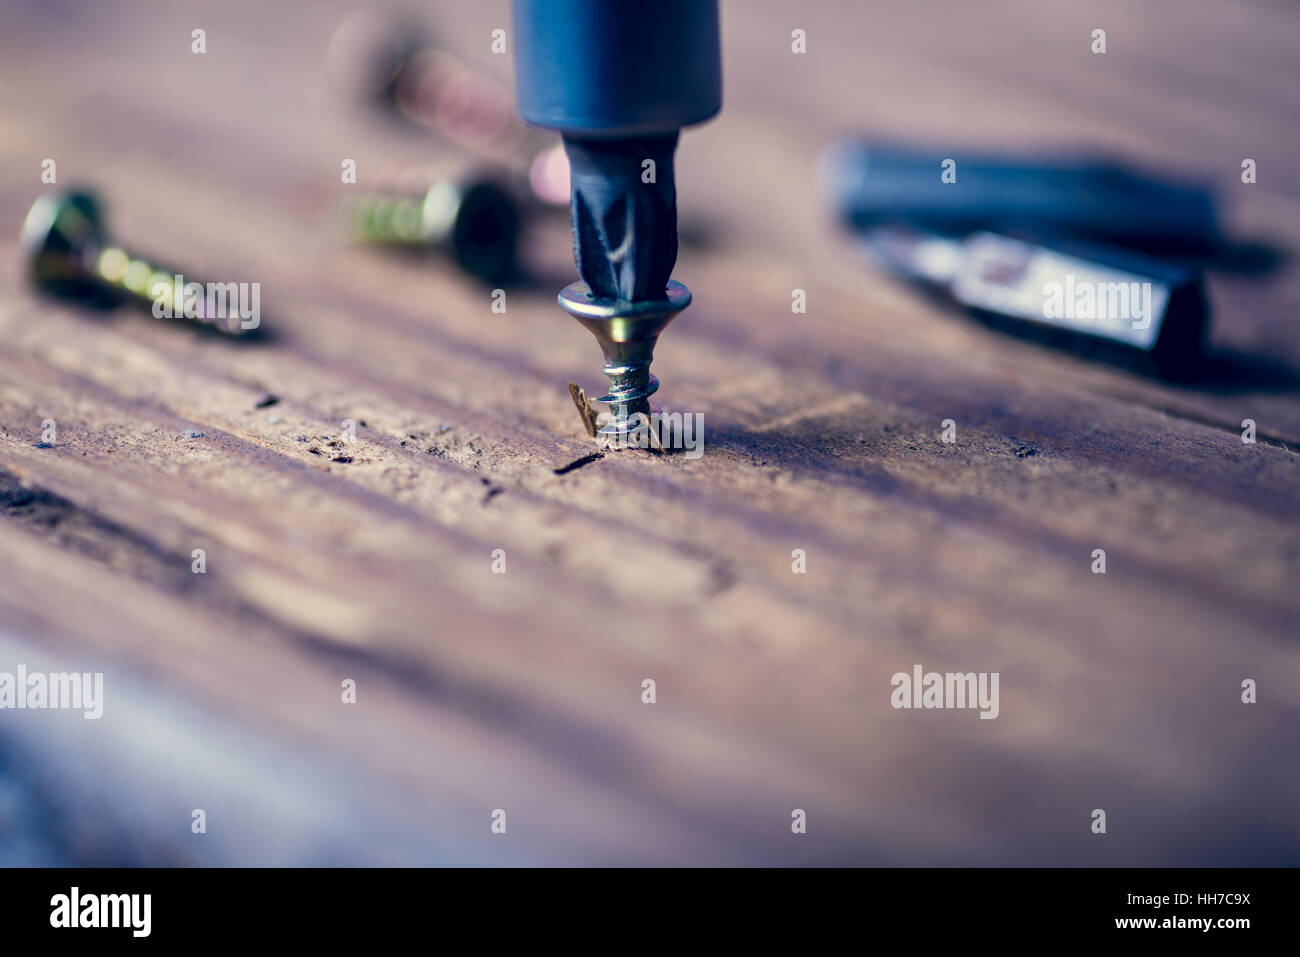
column 387, row 216
column 128, row 275
column 630, row 388
column 133, row 277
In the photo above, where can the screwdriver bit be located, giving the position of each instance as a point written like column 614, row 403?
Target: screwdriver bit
column 624, row 230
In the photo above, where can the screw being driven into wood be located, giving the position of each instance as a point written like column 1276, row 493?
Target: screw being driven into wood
column 469, row 218
column 69, row 254
column 627, row 333
column 619, row 86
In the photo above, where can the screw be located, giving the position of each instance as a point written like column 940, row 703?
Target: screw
column 625, row 246
column 374, row 58
column 627, row 333
column 469, row 217
column 368, row 52
column 69, row 255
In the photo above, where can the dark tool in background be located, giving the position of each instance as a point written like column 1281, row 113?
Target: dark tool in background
column 619, row 81
column 1009, row 228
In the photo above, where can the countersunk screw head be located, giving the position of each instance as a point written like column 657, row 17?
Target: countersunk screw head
column 485, row 229
column 61, row 234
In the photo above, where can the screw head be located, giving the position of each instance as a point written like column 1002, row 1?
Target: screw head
column 624, row 329
column 60, row 230
column 481, row 222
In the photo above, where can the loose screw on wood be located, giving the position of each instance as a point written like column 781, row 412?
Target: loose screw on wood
column 470, row 218
column 69, row 254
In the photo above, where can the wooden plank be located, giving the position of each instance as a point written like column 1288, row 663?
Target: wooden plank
column 373, row 560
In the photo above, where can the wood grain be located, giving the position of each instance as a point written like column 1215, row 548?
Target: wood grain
column 522, row 691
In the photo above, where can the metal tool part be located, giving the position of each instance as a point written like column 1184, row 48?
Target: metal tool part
column 870, row 183
column 619, row 81
column 69, row 254
column 624, row 229
column 471, row 218
column 1086, row 298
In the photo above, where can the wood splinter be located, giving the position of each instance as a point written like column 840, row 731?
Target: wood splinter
column 584, row 408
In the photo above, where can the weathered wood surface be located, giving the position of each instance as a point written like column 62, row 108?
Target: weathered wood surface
column 522, row 691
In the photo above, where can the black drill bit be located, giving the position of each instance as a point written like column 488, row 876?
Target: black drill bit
column 624, row 215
